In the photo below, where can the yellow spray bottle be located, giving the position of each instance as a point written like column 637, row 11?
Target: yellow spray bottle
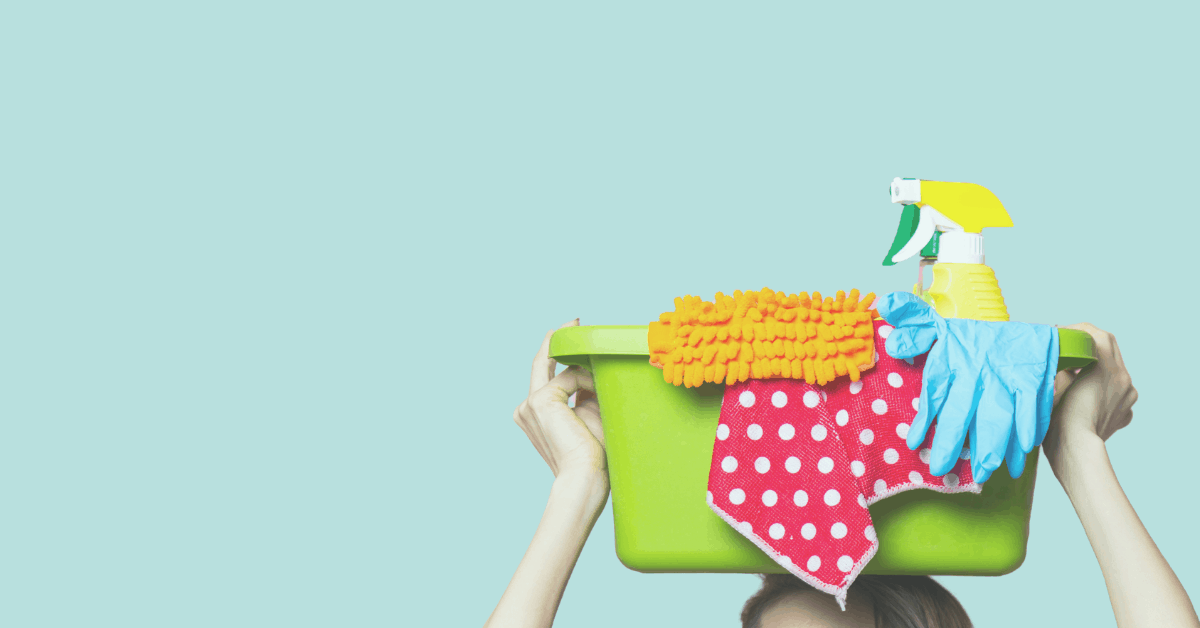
column 944, row 221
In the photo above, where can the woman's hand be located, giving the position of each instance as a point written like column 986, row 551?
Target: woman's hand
column 1093, row 403
column 569, row 439
column 1090, row 406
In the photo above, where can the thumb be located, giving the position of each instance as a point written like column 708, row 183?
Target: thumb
column 906, row 309
column 1062, row 382
column 908, row 342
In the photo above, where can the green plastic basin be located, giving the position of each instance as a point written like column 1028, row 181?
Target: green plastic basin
column 660, row 443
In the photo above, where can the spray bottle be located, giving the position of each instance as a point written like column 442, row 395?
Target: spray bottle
column 944, row 222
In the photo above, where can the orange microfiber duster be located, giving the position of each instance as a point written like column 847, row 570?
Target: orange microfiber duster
column 764, row 334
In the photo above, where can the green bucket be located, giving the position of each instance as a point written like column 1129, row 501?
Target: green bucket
column 660, row 442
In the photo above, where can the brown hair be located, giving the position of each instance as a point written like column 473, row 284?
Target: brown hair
column 900, row 601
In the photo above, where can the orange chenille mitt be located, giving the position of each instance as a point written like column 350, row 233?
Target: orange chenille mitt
column 762, row 335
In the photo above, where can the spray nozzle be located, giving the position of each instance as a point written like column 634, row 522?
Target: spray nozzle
column 944, row 220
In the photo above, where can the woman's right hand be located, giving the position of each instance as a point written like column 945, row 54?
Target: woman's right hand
column 1092, row 403
column 570, row 440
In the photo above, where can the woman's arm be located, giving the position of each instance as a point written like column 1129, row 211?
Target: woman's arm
column 571, row 442
column 1092, row 406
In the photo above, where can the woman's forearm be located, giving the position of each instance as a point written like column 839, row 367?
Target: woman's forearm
column 532, row 596
column 1143, row 589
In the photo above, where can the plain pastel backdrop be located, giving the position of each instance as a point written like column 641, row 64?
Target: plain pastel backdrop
column 273, row 273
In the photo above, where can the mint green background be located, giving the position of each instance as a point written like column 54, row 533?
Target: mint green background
column 272, row 273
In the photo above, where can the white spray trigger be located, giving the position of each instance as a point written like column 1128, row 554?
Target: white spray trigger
column 931, row 220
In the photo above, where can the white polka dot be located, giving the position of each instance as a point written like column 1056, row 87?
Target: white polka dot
column 869, row 532
column 866, row 436
column 862, row 501
column 965, row 454
column 710, row 497
column 924, row 455
column 842, row 418
column 819, row 432
column 825, row 465
column 885, row 331
column 722, row 431
column 915, row 477
column 894, row 380
column 737, row 496
column 800, row 499
column 779, row 399
column 832, row 497
column 824, row 396
column 879, row 406
column 746, row 398
column 762, row 465
column 902, row 430
column 857, row 468
column 792, row 464
column 729, row 464
column 814, row 563
column 950, row 480
column 808, row 531
column 769, row 498
column 856, row 387
column 880, row 487
column 754, row 431
column 776, row 531
column 891, row 456
column 838, row 530
column 786, row 431
column 916, row 403
column 745, row 527
column 845, row 564
column 811, row 399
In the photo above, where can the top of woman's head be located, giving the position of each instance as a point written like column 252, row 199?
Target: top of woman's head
column 872, row 601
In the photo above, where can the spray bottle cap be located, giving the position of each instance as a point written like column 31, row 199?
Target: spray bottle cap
column 956, row 211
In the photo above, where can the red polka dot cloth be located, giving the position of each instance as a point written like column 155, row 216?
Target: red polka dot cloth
column 795, row 466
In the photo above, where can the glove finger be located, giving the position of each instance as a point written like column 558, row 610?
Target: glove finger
column 1045, row 399
column 993, row 426
column 981, row 475
column 906, row 309
column 1027, row 392
column 1015, row 459
column 909, row 342
column 956, row 415
column 935, row 384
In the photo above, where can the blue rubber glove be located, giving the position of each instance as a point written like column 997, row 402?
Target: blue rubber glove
column 995, row 380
